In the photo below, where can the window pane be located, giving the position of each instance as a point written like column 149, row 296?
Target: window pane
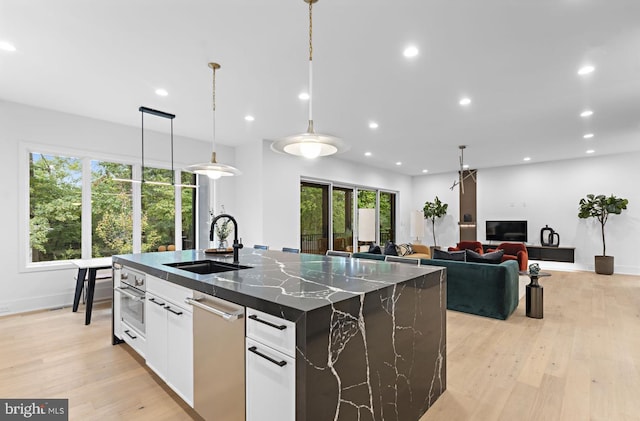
column 314, row 218
column 158, row 209
column 342, row 219
column 366, row 218
column 387, row 217
column 111, row 209
column 55, row 206
column 188, row 211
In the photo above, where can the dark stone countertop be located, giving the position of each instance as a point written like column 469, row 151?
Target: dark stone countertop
column 282, row 284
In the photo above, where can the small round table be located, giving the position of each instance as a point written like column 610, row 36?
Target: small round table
column 535, row 303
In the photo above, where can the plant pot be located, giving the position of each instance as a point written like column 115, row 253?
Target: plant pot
column 604, row 265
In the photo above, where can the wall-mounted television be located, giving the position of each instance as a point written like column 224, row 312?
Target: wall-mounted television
column 506, row 231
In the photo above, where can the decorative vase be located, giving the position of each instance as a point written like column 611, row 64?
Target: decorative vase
column 222, row 244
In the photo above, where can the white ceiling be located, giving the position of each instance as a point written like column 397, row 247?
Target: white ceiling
column 516, row 59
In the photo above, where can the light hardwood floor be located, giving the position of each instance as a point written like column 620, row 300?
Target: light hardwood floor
column 581, row 362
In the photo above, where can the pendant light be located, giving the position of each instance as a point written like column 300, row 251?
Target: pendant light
column 310, row 144
column 213, row 169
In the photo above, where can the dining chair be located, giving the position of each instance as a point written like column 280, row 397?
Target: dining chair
column 338, row 253
column 406, row 260
column 260, row 247
column 290, row 250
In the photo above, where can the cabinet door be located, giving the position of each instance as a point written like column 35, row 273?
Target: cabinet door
column 271, row 383
column 156, row 333
column 180, row 352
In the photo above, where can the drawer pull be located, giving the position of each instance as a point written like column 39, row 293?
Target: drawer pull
column 177, row 313
column 130, row 335
column 279, row 327
column 266, row 357
column 153, row 300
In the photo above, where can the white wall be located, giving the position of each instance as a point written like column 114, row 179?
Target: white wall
column 22, row 290
column 425, row 189
column 548, row 194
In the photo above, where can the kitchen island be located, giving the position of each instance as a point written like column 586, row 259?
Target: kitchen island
column 370, row 336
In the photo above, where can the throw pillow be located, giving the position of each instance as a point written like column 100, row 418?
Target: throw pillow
column 491, row 258
column 404, row 249
column 459, row 256
column 390, row 249
column 375, row 249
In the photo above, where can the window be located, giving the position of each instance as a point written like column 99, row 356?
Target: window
column 376, row 222
column 84, row 208
column 111, row 209
column 55, row 207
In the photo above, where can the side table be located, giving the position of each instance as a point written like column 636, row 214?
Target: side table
column 535, row 302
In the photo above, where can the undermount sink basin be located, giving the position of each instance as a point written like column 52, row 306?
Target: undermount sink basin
column 205, row 267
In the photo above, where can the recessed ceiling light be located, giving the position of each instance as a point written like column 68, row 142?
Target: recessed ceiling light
column 303, row 96
column 588, row 136
column 586, row 70
column 7, row 46
column 586, row 113
column 590, row 151
column 249, row 118
column 162, row 92
column 527, row 158
column 373, row 125
column 465, row 101
column 410, row 51
column 398, row 163
column 367, row 154
column 425, row 171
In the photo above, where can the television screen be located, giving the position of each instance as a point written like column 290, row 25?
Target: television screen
column 506, row 231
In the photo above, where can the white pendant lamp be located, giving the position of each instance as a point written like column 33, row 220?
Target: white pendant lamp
column 214, row 169
column 310, row 144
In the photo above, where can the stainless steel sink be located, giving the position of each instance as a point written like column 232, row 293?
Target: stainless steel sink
column 205, row 267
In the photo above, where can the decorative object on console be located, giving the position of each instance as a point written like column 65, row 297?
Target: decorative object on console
column 213, row 169
column 514, row 251
column 600, row 207
column 534, row 269
column 468, row 245
column 310, row 144
column 493, row 258
column 458, row 256
column 432, row 211
column 548, row 237
column 416, row 228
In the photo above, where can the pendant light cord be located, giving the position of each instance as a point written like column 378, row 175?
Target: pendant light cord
column 213, row 109
column 310, row 129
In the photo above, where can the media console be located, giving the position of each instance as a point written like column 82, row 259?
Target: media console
column 545, row 253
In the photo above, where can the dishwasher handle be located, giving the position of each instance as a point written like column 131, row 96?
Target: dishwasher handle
column 230, row 317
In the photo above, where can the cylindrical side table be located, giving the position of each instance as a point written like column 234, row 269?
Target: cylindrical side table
column 535, row 301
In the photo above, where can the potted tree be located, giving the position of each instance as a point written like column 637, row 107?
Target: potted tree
column 432, row 211
column 600, row 207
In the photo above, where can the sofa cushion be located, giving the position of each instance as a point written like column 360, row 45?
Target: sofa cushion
column 390, row 249
column 458, row 256
column 492, row 258
column 375, row 249
column 404, row 249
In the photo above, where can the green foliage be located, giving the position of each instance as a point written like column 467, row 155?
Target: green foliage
column 600, row 207
column 432, row 211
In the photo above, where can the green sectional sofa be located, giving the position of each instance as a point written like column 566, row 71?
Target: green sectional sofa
column 481, row 288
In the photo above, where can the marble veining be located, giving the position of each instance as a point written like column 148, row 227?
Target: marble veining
column 370, row 335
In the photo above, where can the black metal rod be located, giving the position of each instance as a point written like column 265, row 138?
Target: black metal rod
column 156, row 112
column 173, row 174
column 279, row 327
column 142, row 124
column 266, row 357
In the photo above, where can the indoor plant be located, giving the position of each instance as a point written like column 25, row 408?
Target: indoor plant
column 600, row 207
column 432, row 211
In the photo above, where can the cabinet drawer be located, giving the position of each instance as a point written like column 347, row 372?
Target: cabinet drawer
column 133, row 338
column 168, row 290
column 272, row 331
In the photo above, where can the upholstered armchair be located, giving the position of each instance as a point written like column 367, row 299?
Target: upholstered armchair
column 514, row 251
column 471, row 245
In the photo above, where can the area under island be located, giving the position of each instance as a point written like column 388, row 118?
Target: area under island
column 370, row 336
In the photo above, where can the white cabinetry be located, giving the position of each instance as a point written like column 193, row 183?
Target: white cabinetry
column 270, row 367
column 169, row 335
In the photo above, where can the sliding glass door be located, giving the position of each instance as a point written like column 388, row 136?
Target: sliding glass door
column 314, row 218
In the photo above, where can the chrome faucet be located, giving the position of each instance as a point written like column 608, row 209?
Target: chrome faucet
column 236, row 244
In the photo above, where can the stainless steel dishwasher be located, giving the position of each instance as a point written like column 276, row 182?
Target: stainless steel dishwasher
column 218, row 358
